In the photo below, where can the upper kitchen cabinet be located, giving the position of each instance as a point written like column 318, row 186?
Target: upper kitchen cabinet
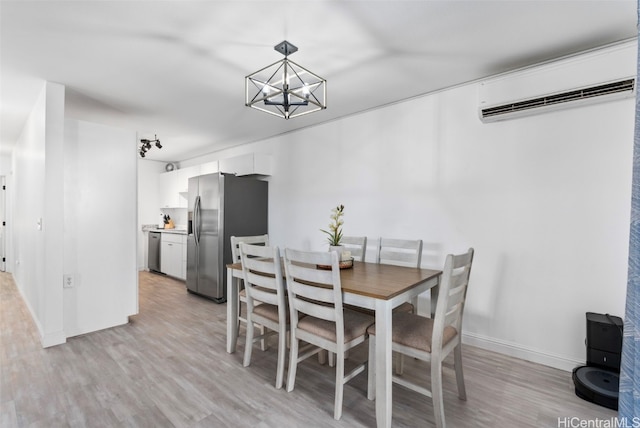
column 249, row 164
column 209, row 168
column 174, row 186
column 169, row 193
column 184, row 174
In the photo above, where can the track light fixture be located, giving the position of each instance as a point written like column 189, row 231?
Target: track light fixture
column 145, row 145
column 284, row 88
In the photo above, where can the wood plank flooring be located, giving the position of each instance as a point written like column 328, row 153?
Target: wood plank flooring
column 169, row 368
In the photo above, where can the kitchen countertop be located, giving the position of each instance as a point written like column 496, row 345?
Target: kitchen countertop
column 178, row 231
column 155, row 228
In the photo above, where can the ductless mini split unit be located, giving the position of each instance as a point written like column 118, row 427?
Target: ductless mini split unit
column 599, row 76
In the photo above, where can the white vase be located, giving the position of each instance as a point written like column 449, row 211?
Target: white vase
column 338, row 249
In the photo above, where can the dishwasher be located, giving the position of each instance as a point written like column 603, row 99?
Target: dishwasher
column 153, row 260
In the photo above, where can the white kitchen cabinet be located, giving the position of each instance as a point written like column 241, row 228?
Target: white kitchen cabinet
column 209, row 168
column 184, row 257
column 171, row 255
column 174, row 187
column 184, row 174
column 169, row 193
column 249, row 164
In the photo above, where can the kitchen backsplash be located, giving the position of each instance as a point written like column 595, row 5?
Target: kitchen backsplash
column 178, row 215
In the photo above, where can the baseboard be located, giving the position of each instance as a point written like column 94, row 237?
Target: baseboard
column 53, row 339
column 48, row 339
column 519, row 351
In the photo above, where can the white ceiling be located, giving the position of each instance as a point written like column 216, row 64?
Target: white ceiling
column 177, row 68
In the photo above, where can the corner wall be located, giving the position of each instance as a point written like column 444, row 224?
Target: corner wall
column 73, row 212
column 37, row 213
column 100, row 226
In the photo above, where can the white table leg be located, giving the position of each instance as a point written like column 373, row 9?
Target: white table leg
column 232, row 311
column 383, row 363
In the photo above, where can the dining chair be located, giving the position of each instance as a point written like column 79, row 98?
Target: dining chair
column 266, row 302
column 235, row 255
column 318, row 317
column 401, row 252
column 432, row 339
column 357, row 245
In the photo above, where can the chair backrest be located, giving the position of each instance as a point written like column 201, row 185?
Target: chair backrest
column 315, row 292
column 263, row 279
column 253, row 240
column 357, row 245
column 452, row 295
column 400, row 252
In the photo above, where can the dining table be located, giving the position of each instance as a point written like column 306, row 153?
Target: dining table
column 373, row 286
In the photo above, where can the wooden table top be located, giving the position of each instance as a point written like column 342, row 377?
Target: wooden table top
column 379, row 281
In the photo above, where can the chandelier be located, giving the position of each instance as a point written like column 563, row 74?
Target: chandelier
column 145, row 145
column 284, row 88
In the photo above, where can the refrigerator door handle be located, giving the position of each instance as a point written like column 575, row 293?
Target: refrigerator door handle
column 196, row 220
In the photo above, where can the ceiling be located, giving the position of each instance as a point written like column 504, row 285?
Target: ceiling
column 177, row 68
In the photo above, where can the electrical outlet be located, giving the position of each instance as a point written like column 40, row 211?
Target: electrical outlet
column 67, row 281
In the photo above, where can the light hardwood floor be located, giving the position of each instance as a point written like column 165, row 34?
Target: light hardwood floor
column 169, row 368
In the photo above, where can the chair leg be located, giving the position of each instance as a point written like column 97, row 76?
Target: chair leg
column 263, row 343
column 282, row 349
column 371, row 369
column 239, row 316
column 240, row 287
column 322, row 357
column 332, row 359
column 337, row 411
column 293, row 363
column 248, row 347
column 436, row 393
column 457, row 354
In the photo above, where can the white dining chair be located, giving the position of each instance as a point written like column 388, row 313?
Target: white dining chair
column 357, row 245
column 266, row 302
column 406, row 253
column 318, row 317
column 432, row 339
column 235, row 254
column 399, row 252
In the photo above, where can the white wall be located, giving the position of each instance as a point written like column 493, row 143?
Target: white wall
column 100, row 225
column 72, row 205
column 36, row 233
column 544, row 200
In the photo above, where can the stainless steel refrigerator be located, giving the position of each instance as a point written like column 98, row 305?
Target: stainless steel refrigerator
column 220, row 206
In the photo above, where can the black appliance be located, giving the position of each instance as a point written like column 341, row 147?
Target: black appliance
column 599, row 380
